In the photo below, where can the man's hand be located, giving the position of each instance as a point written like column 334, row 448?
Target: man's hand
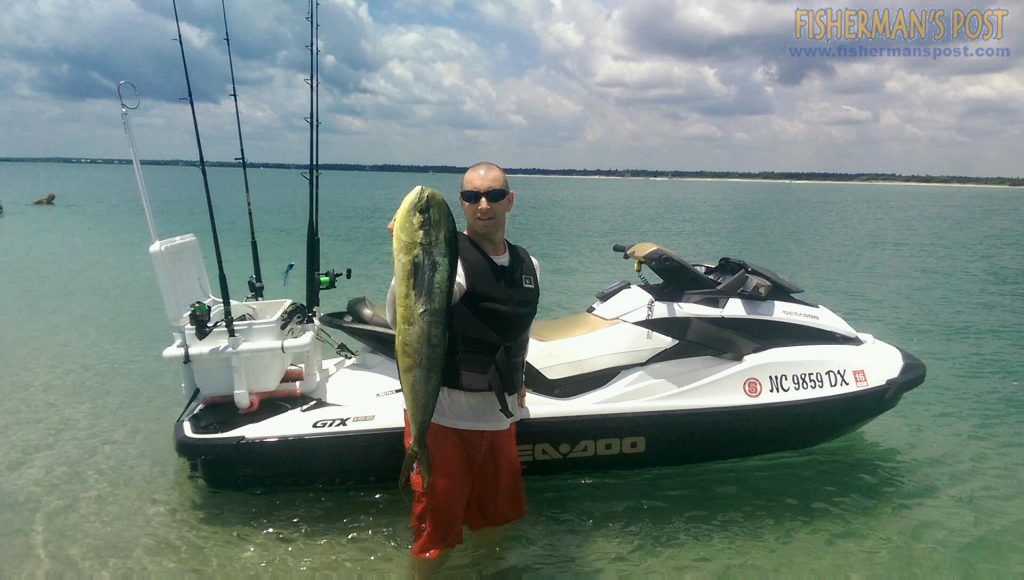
column 391, row 226
column 522, row 397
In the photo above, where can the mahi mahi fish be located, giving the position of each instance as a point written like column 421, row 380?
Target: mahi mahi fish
column 426, row 256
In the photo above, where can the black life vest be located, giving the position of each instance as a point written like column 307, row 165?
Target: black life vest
column 490, row 328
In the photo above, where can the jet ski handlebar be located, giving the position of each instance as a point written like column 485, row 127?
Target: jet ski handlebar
column 635, row 251
column 673, row 270
column 644, row 252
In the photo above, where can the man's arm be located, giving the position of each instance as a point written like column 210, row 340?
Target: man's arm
column 521, row 397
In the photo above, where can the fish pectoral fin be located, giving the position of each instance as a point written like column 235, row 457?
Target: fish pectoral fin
column 419, row 271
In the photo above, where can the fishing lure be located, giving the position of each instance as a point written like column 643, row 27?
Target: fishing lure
column 284, row 275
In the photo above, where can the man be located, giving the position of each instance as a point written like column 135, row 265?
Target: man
column 45, row 200
column 476, row 478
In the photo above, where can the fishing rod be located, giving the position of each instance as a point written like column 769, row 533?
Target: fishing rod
column 315, row 279
column 316, row 155
column 136, row 164
column 229, row 322
column 312, row 225
column 256, row 282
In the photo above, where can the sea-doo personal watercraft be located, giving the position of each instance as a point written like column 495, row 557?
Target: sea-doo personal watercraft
column 711, row 362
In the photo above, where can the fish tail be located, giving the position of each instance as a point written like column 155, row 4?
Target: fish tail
column 407, row 465
column 413, row 459
column 424, row 464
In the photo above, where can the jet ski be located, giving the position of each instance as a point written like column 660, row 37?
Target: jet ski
column 710, row 362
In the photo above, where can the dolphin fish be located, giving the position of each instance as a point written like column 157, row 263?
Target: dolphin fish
column 426, row 256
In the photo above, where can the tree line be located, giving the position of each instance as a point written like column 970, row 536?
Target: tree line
column 636, row 173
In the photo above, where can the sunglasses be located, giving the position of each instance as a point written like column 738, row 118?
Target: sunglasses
column 493, row 195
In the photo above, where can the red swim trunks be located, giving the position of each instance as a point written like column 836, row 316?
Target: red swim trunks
column 475, row 480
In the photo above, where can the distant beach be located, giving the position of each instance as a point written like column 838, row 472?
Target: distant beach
column 765, row 176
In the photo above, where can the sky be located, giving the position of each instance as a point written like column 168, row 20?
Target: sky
column 612, row 84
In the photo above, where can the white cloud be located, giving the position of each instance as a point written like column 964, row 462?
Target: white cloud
column 556, row 83
column 830, row 114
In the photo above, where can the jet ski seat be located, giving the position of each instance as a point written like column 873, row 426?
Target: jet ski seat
column 366, row 322
column 364, row 311
column 568, row 326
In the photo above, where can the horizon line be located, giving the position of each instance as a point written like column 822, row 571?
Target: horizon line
column 623, row 172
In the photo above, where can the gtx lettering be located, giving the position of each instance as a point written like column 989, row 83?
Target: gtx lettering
column 807, row 381
column 328, row 423
column 584, row 448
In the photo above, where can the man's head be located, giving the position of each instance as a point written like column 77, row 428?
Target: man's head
column 486, row 201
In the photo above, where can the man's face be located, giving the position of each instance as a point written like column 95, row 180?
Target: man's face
column 486, row 219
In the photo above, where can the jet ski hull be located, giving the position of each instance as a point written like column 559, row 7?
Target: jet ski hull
column 549, row 444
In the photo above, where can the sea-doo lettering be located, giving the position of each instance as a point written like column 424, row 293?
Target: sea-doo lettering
column 584, row 448
column 804, row 314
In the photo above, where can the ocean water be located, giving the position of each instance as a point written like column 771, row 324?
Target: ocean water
column 90, row 483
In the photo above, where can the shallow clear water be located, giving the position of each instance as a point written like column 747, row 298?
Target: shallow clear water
column 90, row 482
